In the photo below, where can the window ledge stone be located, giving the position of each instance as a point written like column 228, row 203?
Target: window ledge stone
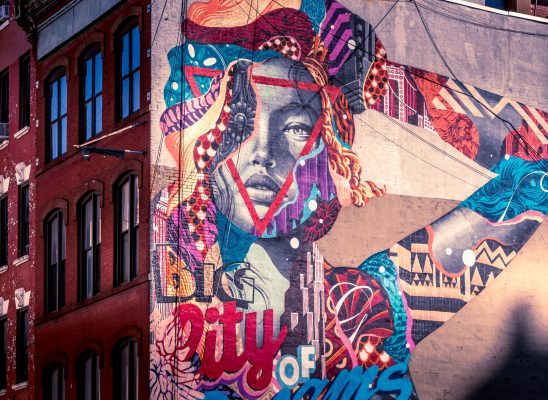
column 4, row 144
column 3, row 392
column 21, row 260
column 3, row 269
column 19, row 386
column 21, row 132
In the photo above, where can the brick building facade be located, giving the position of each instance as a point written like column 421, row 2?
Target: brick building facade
column 17, row 192
column 91, row 207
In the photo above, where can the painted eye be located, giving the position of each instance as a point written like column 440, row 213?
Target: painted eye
column 297, row 131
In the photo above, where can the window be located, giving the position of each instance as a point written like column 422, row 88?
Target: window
column 125, row 360
column 24, row 220
column 24, row 91
column 129, row 63
column 90, row 246
column 54, row 382
column 55, row 262
column 92, row 93
column 22, row 344
column 57, row 115
column 88, row 376
column 127, row 228
column 4, row 96
column 3, row 352
column 3, row 231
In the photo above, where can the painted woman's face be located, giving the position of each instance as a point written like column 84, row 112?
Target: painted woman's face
column 258, row 179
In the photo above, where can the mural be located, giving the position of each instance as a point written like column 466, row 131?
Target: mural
column 259, row 118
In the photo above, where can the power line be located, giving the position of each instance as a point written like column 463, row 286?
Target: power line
column 435, row 8
column 512, row 131
column 440, row 54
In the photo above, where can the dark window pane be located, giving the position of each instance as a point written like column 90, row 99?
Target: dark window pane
column 125, row 54
column 55, row 282
column 98, row 114
column 21, row 367
column 54, row 101
column 88, row 91
column 24, row 205
column 24, row 91
column 98, row 73
column 63, row 96
column 135, row 48
column 64, row 135
column 4, row 96
column 125, row 97
column 136, row 91
column 89, row 119
column 3, row 352
column 54, row 140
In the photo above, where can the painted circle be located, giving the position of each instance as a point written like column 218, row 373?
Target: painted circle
column 175, row 86
column 448, row 251
column 382, row 269
column 468, row 257
column 294, row 243
column 313, row 205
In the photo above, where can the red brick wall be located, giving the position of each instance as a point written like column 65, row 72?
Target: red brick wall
column 19, row 273
column 115, row 312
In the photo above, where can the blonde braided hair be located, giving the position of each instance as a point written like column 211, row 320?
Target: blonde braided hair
column 342, row 161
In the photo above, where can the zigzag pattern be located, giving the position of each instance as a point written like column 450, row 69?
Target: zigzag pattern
column 496, row 258
column 490, row 110
column 336, row 34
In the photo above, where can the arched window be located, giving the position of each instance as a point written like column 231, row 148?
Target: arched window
column 128, row 68
column 126, row 365
column 89, row 220
column 127, row 228
column 55, row 262
column 88, row 376
column 53, row 382
column 56, row 104
column 91, row 92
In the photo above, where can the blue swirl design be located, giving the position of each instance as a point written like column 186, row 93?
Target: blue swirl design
column 521, row 186
column 384, row 271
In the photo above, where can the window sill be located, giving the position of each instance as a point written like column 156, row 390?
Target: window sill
column 3, row 392
column 21, row 132
column 19, row 386
column 67, row 309
column 3, row 269
column 2, row 26
column 21, row 260
column 4, row 144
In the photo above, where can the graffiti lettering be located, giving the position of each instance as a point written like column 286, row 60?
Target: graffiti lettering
column 290, row 370
column 228, row 361
column 354, row 384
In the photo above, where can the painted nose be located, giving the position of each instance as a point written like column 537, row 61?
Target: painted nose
column 264, row 147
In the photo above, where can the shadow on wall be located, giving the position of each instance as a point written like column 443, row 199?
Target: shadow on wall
column 523, row 372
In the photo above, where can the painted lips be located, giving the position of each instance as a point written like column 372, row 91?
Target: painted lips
column 262, row 188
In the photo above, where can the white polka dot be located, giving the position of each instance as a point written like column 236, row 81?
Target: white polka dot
column 351, row 44
column 171, row 99
column 345, row 117
column 312, row 205
column 332, row 26
column 468, row 257
column 175, row 86
column 370, row 385
column 448, row 251
column 208, row 62
column 191, row 51
column 321, row 220
column 294, row 243
column 382, row 269
column 302, row 163
column 507, row 156
column 407, row 345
